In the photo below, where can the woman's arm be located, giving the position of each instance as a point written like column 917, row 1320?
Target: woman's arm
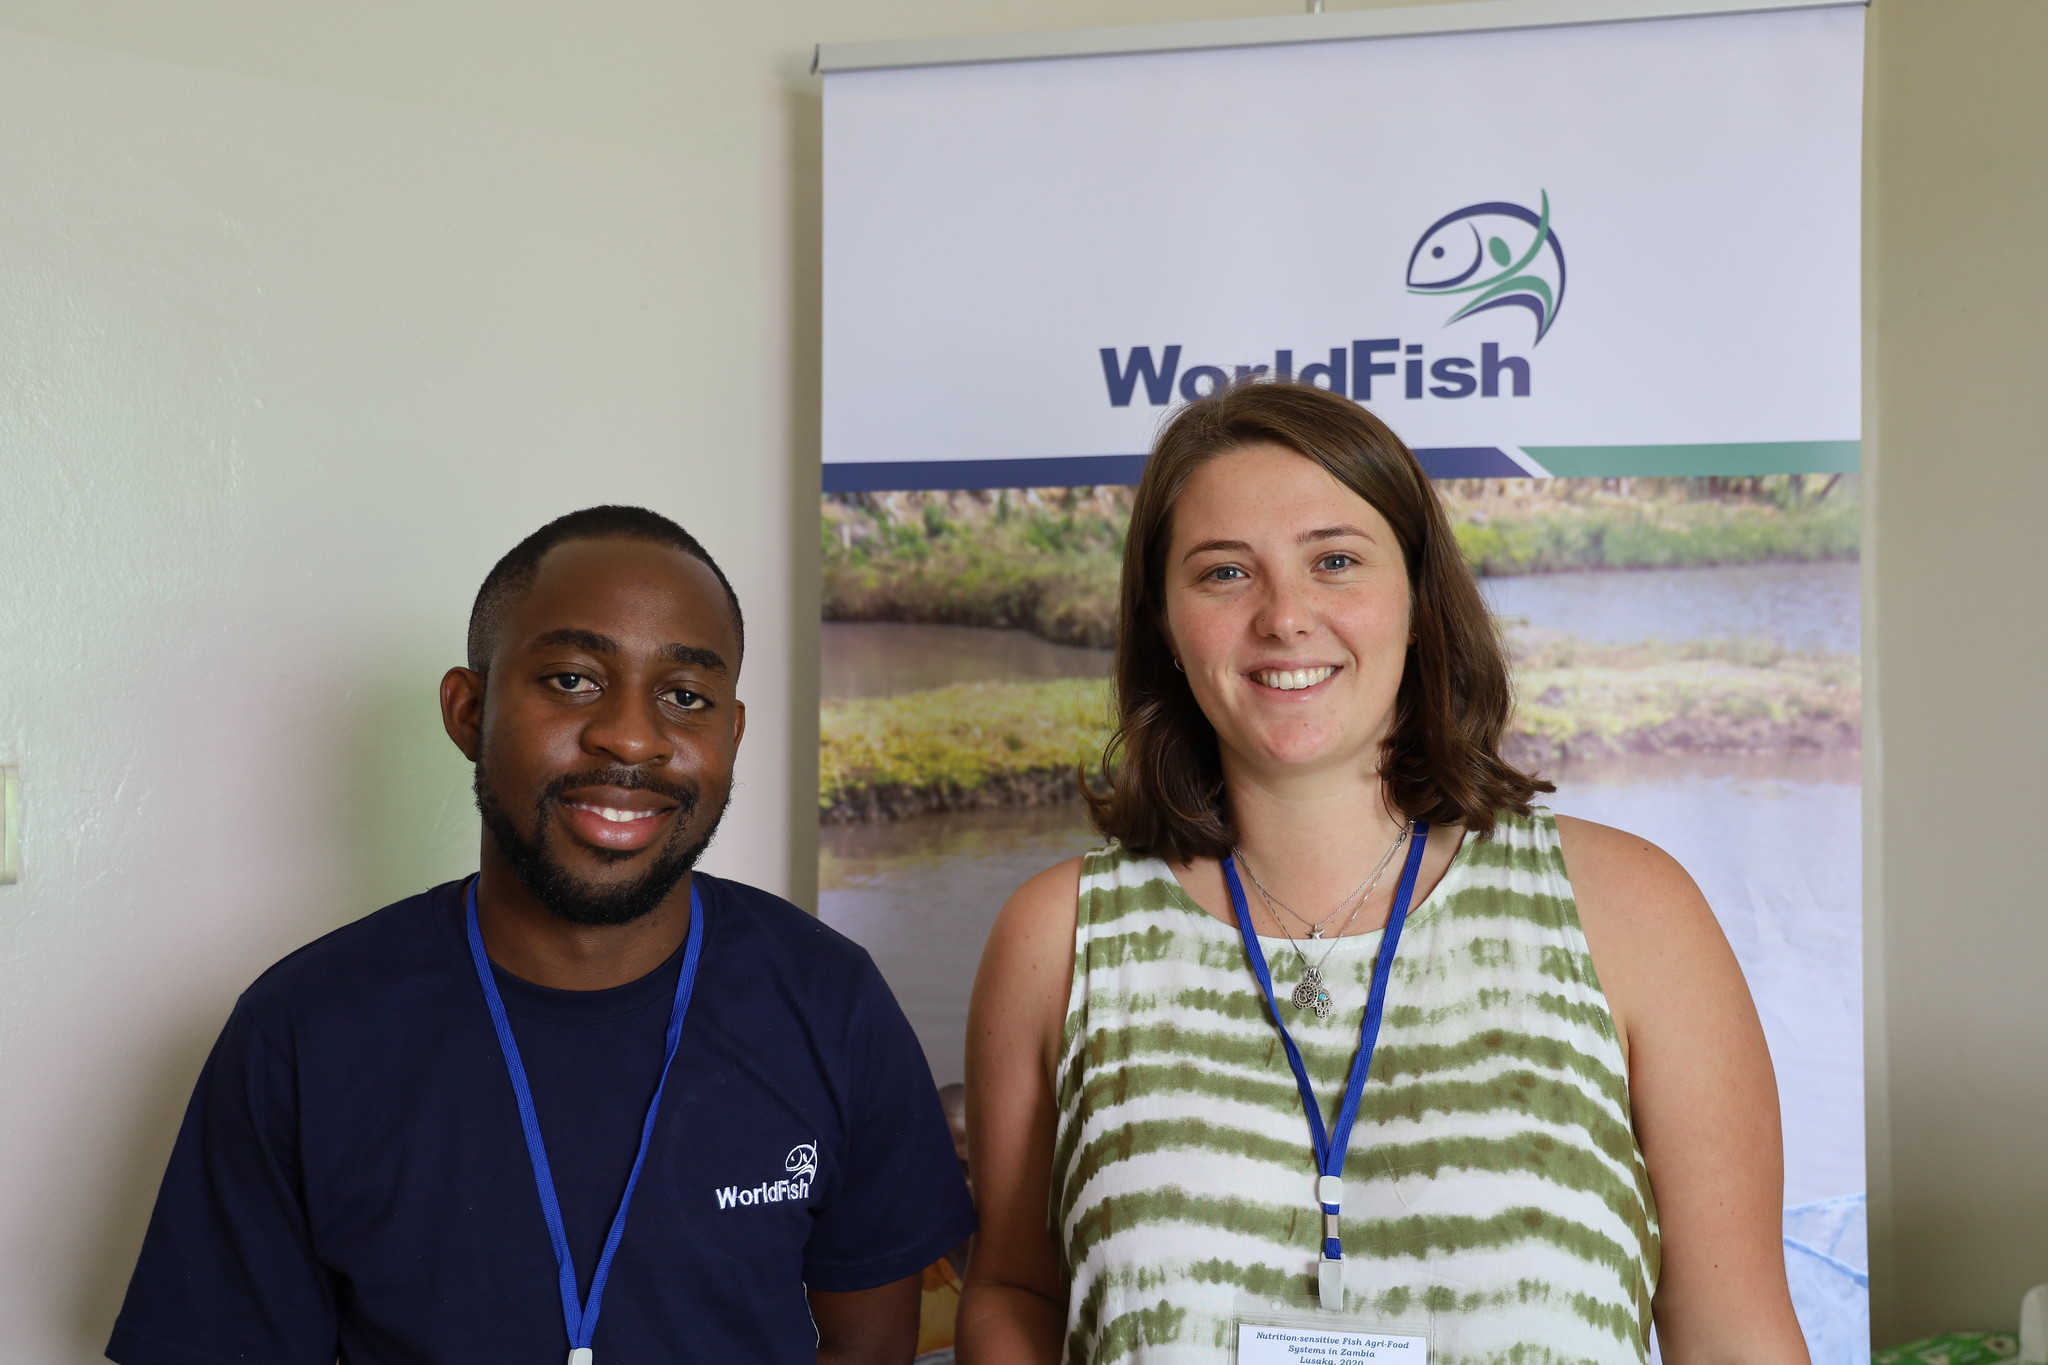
column 867, row 1326
column 1704, row 1099
column 1013, row 1310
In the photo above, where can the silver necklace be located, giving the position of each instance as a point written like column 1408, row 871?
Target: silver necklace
column 1311, row 993
column 1314, row 927
column 1365, row 888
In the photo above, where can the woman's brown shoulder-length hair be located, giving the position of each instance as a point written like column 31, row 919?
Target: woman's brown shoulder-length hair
column 1162, row 791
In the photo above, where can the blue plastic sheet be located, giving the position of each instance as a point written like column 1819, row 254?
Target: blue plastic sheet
column 1827, row 1262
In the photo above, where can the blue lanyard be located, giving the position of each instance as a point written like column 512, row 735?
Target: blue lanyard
column 1330, row 1147
column 579, row 1316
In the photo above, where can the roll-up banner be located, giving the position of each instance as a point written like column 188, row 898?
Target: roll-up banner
column 1596, row 262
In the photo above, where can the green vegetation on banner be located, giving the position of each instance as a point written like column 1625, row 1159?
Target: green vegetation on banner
column 1726, row 461
column 1520, row 526
column 959, row 747
column 1022, row 743
column 1577, row 701
column 1046, row 560
column 1042, row 560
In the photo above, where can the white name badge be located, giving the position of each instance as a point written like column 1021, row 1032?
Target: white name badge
column 1260, row 1343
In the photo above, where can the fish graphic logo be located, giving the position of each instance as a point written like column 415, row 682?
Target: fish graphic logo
column 1501, row 254
column 802, row 1161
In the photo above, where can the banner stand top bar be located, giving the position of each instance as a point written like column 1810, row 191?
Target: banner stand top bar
column 1415, row 21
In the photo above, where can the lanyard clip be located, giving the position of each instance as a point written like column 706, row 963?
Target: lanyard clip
column 1330, row 1284
column 1330, row 1270
column 1330, row 1195
column 581, row 1356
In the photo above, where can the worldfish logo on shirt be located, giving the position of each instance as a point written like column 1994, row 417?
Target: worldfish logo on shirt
column 802, row 1165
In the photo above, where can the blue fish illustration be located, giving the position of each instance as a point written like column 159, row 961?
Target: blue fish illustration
column 1502, row 254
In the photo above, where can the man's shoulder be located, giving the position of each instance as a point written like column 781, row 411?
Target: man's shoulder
column 792, row 929
column 800, row 939
column 406, row 940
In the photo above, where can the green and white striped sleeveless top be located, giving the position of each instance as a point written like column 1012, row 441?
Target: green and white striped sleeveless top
column 1493, row 1185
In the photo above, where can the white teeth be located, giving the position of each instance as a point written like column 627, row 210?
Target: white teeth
column 613, row 814
column 1293, row 680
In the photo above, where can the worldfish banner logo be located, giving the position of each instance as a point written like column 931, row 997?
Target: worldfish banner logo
column 1501, row 254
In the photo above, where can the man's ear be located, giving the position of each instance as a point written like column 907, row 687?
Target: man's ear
column 462, row 710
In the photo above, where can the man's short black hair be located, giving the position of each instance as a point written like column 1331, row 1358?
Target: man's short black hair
column 514, row 574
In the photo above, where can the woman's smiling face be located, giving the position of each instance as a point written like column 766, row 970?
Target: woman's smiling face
column 1287, row 602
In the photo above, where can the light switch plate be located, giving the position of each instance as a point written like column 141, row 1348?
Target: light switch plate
column 10, row 826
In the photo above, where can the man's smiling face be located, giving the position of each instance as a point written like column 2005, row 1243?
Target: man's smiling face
column 609, row 726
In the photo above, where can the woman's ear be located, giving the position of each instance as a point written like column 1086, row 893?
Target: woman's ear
column 1166, row 640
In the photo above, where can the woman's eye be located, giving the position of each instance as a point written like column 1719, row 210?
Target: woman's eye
column 1226, row 573
column 685, row 699
column 1332, row 563
column 572, row 682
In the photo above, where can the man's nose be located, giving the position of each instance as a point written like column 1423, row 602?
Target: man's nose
column 629, row 729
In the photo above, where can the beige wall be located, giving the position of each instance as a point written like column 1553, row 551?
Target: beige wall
column 1957, row 631
column 308, row 310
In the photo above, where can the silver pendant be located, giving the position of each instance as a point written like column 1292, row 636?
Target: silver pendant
column 1310, row 994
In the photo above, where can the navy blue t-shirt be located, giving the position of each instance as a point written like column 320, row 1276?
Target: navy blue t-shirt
column 351, row 1180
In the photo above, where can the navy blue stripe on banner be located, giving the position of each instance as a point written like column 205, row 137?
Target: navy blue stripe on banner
column 1071, row 471
column 1053, row 471
column 1468, row 462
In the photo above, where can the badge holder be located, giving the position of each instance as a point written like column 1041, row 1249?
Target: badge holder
column 1297, row 1331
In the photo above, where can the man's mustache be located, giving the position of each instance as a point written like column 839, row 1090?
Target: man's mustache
column 683, row 793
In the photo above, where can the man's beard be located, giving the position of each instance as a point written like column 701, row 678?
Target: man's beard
column 565, row 894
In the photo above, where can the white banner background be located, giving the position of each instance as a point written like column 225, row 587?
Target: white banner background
column 989, row 228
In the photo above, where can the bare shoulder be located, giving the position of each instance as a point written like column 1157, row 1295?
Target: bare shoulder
column 1649, row 929
column 1042, row 910
column 1615, row 874
column 1061, row 881
column 1020, row 991
column 1030, row 949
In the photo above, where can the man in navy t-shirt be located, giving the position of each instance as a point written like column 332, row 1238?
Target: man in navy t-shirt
column 590, row 1105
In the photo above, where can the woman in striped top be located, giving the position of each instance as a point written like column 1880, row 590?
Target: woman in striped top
column 1569, row 1125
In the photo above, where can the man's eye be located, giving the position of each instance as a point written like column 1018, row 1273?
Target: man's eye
column 685, row 699
column 572, row 682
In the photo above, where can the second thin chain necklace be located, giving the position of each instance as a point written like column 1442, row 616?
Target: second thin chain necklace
column 1312, row 992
